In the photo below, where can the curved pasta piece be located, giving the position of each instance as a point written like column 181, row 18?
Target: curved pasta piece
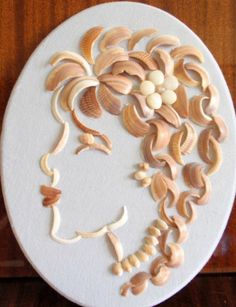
column 137, row 36
column 144, row 58
column 162, row 131
column 109, row 101
column 175, row 147
column 204, row 145
column 187, row 50
column 141, row 101
column 181, row 105
column 192, row 174
column 78, row 87
column 72, row 57
column 120, row 222
column 82, row 148
column 221, row 127
column 169, row 114
column 87, row 43
column 214, row 99
column 163, row 40
column 176, row 256
column 66, row 91
column 164, row 61
column 133, row 123
column 114, row 36
column 156, row 264
column 170, row 162
column 62, row 73
column 185, row 206
column 89, row 104
column 196, row 112
column 203, row 74
column 63, row 140
column 93, row 234
column 117, row 246
column 81, row 126
column 108, row 58
column 181, row 228
column 54, row 108
column 205, row 195
column 217, row 156
column 158, row 187
column 119, row 83
column 172, row 188
column 130, row 67
column 55, row 177
column 162, row 276
column 183, row 76
column 148, row 142
column 44, row 165
column 189, row 139
column 163, row 212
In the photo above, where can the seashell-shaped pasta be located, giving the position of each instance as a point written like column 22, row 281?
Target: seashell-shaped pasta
column 214, row 99
column 62, row 141
column 165, row 62
column 203, row 74
column 170, row 162
column 187, row 50
column 162, row 276
column 130, row 67
column 192, row 174
column 115, row 241
column 189, row 139
column 147, row 146
column 163, row 40
column 89, row 104
column 66, row 91
column 204, row 145
column 185, row 207
column 206, row 193
column 87, row 43
column 114, row 36
column 217, row 156
column 162, row 131
column 71, row 57
column 119, row 83
column 183, row 76
column 137, row 36
column 170, row 115
column 63, row 73
column 222, row 129
column 176, row 257
column 142, row 105
column 108, row 100
column 181, row 105
column 196, row 112
column 175, row 147
column 158, row 187
column 133, row 123
column 78, row 87
column 144, row 58
column 108, row 58
column 181, row 228
column 172, row 188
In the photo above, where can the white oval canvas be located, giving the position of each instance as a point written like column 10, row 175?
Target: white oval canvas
column 96, row 186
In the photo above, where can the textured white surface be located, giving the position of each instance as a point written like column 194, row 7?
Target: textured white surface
column 96, row 186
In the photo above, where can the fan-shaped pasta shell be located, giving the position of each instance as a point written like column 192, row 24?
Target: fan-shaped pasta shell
column 183, row 76
column 158, row 187
column 89, row 104
column 187, row 50
column 175, row 147
column 144, row 58
column 120, row 84
column 133, row 123
column 170, row 115
column 163, row 40
column 87, row 42
column 114, row 36
column 109, row 101
column 181, row 105
column 165, row 62
column 130, row 67
column 65, row 93
column 148, row 142
column 196, row 112
column 137, row 36
column 162, row 131
column 203, row 74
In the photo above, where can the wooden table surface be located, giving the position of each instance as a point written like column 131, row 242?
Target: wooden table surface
column 24, row 23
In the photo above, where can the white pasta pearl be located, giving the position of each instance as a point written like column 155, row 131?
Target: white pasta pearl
column 156, row 77
column 171, row 83
column 168, row 97
column 154, row 101
column 147, row 88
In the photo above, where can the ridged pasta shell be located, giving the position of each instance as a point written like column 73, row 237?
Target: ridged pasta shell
column 214, row 99
column 172, row 188
column 144, row 58
column 65, row 93
column 130, row 67
column 108, row 100
column 170, row 115
column 158, row 187
column 163, row 40
column 203, row 74
column 185, row 207
column 204, row 145
column 196, row 111
column 114, row 36
column 89, row 104
column 181, row 105
column 162, row 131
column 62, row 73
column 165, row 62
column 120, row 84
column 221, row 128
column 87, row 42
column 133, row 123
column 137, row 36
column 142, row 105
column 170, row 162
column 183, row 76
column 187, row 50
column 161, row 277
column 189, row 139
column 192, row 174
column 147, row 146
column 108, row 58
column 175, row 147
